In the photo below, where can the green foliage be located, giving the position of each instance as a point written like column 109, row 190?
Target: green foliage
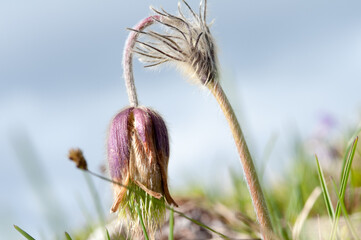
column 152, row 210
column 326, row 195
column 345, row 214
column 171, row 224
column 108, row 237
column 285, row 200
column 142, row 222
column 346, row 168
column 22, row 232
column 67, row 236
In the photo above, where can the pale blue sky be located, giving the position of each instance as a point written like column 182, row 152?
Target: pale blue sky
column 285, row 64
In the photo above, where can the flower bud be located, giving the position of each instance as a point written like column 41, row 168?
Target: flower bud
column 138, row 153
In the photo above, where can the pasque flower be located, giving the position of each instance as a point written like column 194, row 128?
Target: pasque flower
column 187, row 43
column 138, row 152
column 138, row 155
column 138, row 148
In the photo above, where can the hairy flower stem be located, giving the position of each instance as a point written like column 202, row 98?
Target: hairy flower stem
column 249, row 169
column 128, row 58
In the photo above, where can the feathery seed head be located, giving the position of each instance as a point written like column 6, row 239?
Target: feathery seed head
column 187, row 41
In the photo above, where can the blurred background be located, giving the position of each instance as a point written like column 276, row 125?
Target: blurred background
column 291, row 68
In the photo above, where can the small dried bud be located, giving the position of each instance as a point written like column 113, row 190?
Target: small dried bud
column 138, row 152
column 187, row 42
column 76, row 155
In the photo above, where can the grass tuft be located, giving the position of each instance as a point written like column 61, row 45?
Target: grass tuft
column 142, row 222
column 345, row 214
column 139, row 208
column 344, row 178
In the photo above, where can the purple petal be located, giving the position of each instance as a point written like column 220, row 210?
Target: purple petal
column 143, row 125
column 160, row 133
column 118, row 145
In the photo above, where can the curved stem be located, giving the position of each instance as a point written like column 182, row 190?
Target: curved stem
column 249, row 169
column 128, row 58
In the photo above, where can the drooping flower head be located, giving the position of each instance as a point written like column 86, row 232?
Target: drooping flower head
column 138, row 145
column 138, row 155
column 186, row 41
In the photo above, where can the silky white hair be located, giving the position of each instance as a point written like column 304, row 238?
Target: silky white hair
column 186, row 41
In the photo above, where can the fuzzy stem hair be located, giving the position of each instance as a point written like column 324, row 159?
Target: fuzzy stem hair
column 128, row 58
column 249, row 169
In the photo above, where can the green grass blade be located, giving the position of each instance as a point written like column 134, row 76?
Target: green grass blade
column 345, row 174
column 171, row 224
column 347, row 169
column 200, row 224
column 325, row 193
column 345, row 214
column 276, row 216
column 349, row 145
column 168, row 207
column 25, row 234
column 95, row 197
column 108, row 237
column 67, row 236
column 301, row 218
column 141, row 221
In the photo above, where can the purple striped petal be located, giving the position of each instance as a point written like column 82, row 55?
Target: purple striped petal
column 143, row 125
column 141, row 132
column 118, row 145
column 160, row 133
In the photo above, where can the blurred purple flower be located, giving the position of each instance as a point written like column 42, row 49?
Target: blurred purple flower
column 325, row 141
